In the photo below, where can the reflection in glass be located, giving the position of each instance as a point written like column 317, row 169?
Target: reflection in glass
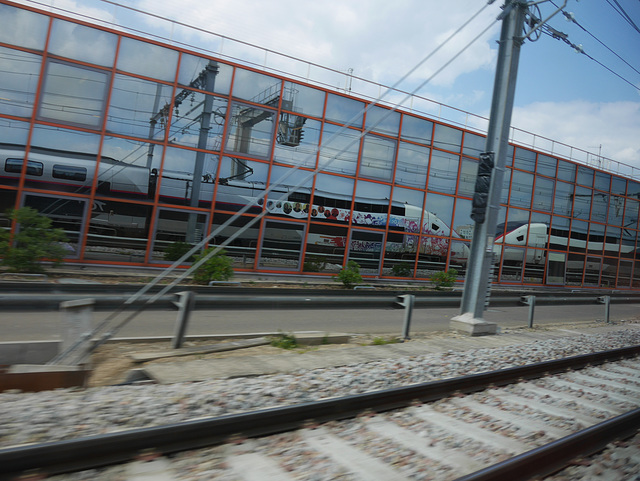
column 378, row 157
column 188, row 177
column 443, row 172
column 521, row 189
column 468, row 174
column 298, row 144
column 73, row 94
column 512, row 264
column 23, row 28
column 473, row 144
column 582, row 203
column 612, row 241
column 578, row 236
column 365, row 248
column 546, row 165
column 18, row 81
column 566, row 171
column 525, row 159
column 193, row 69
column 618, row 185
column 593, row 268
column 303, row 99
column 534, row 266
column 240, row 182
column 602, row 181
column 344, row 110
column 543, row 194
column 147, row 59
column 559, row 233
column 600, row 207
column 595, row 242
column 563, row 199
column 609, row 272
column 463, row 226
column 447, row 138
column 244, row 231
column 82, row 43
column 416, row 130
column 575, row 269
column 625, row 272
column 198, row 122
column 383, row 120
column 256, row 87
column 250, row 131
column 371, row 204
column 326, row 246
column 556, row 266
column 631, row 213
column 585, row 176
column 506, row 182
column 175, row 228
column 139, row 108
column 281, row 245
column 412, row 164
column 339, row 151
column 118, row 231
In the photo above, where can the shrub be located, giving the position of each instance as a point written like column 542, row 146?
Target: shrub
column 350, row 275
column 216, row 268
column 444, row 278
column 401, row 270
column 33, row 241
column 176, row 250
column 314, row 264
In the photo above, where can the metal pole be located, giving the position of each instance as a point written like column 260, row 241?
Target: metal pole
column 185, row 303
column 481, row 254
column 407, row 301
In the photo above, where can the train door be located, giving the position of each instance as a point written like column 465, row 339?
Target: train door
column 175, row 232
column 365, row 248
column 281, row 245
column 556, row 265
column 66, row 213
column 512, row 264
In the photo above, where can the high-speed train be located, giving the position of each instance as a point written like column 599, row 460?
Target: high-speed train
column 75, row 172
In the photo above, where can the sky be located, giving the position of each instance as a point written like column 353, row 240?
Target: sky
column 561, row 95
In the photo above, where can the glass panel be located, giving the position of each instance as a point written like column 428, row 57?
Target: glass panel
column 297, row 141
column 459, row 257
column 400, row 255
column 578, row 240
column 303, row 99
column 139, row 108
column 404, row 225
column 332, row 198
column 147, row 59
column 512, row 264
column 250, row 130
column 325, row 248
column 521, row 189
column 625, row 272
column 18, row 81
column 188, row 177
column 468, row 174
column 596, row 239
column 566, row 171
column 582, row 203
column 23, row 28
column 281, row 245
column 609, row 272
column 543, row 194
column 411, row 167
column 628, row 243
column 383, row 120
column 73, row 94
column 506, row 186
column 378, row 157
column 473, row 144
column 592, row 271
column 600, row 207
column 176, row 233
column 556, row 265
column 525, row 159
column 443, row 173
column 118, row 232
column 575, row 269
column 344, row 110
column 365, row 248
column 198, row 122
column 442, row 207
column 631, row 213
column 585, row 176
column 462, row 224
column 534, row 266
column 256, row 87
column 603, row 181
column 612, row 241
column 241, row 181
column 7, row 201
column 82, row 43
column 339, row 153
column 447, row 138
column 66, row 213
column 635, row 282
column 618, row 185
column 371, row 204
column 563, row 199
column 416, row 129
column 13, row 131
column 287, row 201
column 242, row 249
column 546, row 165
column 194, row 71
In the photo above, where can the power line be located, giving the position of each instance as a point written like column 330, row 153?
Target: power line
column 623, row 14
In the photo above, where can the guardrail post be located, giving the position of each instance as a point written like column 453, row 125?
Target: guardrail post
column 531, row 302
column 406, row 301
column 186, row 302
column 77, row 322
column 606, row 300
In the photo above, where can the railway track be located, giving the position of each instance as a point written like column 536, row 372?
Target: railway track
column 512, row 424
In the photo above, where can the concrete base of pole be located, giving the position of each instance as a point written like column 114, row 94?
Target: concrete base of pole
column 467, row 324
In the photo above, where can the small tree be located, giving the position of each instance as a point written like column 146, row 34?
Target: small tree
column 216, row 268
column 33, row 241
column 350, row 275
column 444, row 278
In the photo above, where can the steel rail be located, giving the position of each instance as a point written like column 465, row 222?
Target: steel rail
column 100, row 450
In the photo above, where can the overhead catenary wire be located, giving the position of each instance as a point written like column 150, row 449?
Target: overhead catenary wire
column 105, row 323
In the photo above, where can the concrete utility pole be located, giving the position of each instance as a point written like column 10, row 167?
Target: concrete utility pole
column 481, row 256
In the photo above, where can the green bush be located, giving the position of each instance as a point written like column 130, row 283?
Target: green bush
column 176, row 250
column 444, row 278
column 350, row 275
column 216, row 268
column 401, row 270
column 314, row 264
column 33, row 241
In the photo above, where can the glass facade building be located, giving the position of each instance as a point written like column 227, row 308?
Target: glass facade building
column 135, row 147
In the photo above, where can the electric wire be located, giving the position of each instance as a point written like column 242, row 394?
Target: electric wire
column 268, row 189
column 621, row 11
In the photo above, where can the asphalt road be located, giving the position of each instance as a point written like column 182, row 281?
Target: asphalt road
column 30, row 325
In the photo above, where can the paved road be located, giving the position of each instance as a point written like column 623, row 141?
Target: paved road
column 27, row 325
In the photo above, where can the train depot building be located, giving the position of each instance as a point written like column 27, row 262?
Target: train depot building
column 136, row 147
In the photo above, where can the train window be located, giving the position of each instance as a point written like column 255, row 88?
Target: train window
column 299, row 197
column 15, row 166
column 69, row 172
column 520, row 238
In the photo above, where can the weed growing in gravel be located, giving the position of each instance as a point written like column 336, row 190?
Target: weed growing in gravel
column 285, row 341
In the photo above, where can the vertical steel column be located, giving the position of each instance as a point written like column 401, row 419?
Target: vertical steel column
column 481, row 255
